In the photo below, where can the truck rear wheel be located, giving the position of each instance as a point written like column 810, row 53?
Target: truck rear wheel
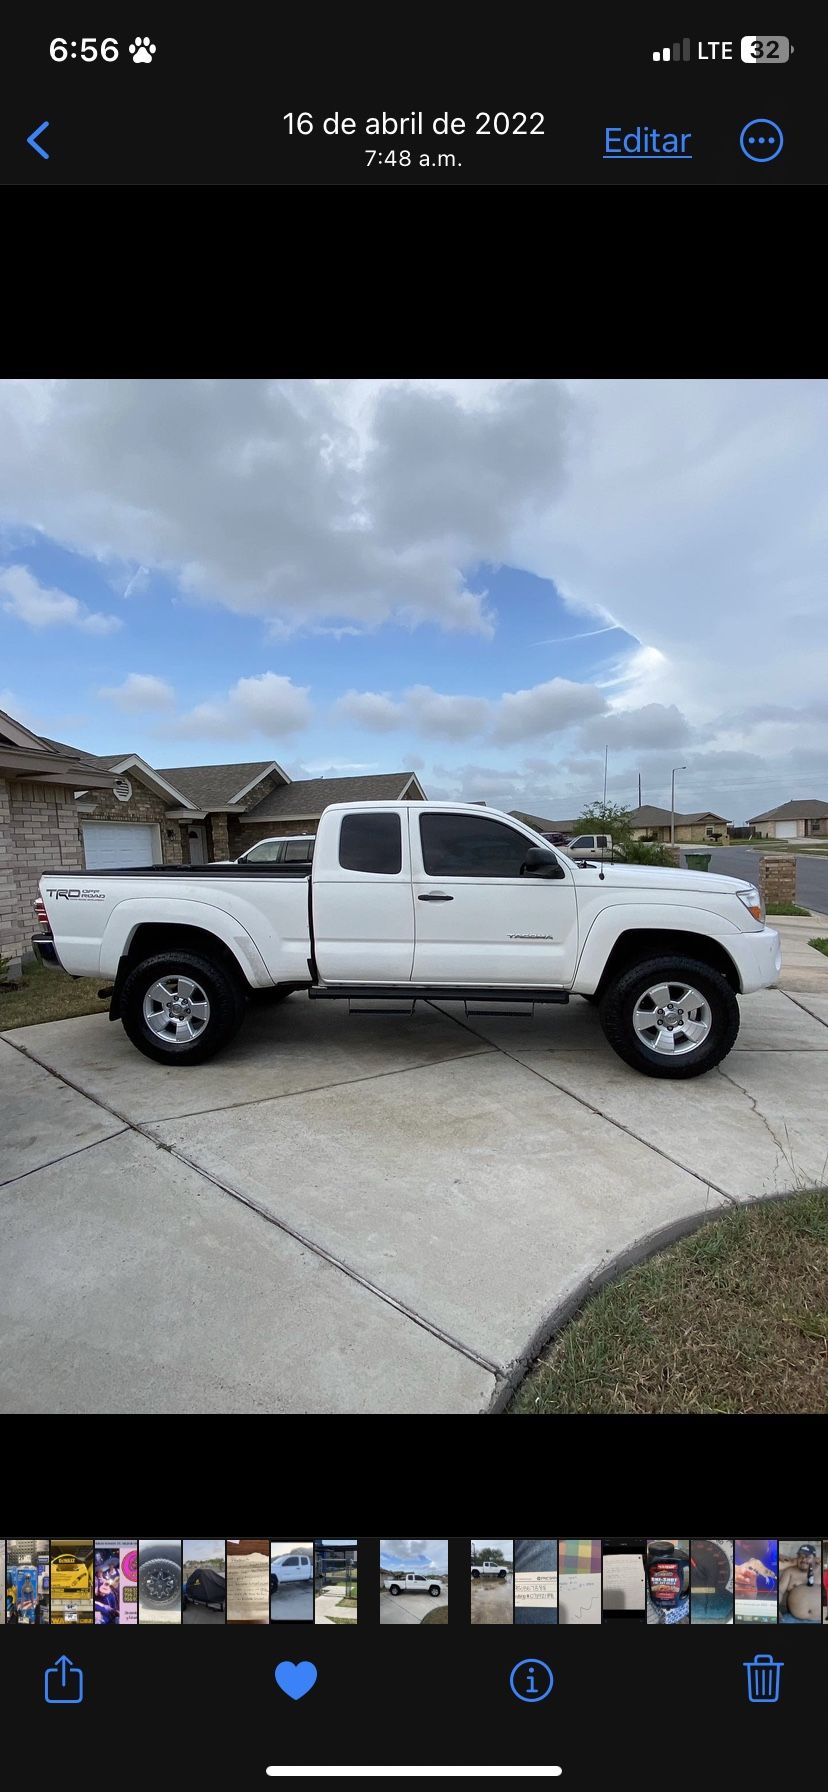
column 393, row 1591
column 671, row 1017
column 179, row 1008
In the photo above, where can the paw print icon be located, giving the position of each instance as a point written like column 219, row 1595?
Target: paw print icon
column 142, row 50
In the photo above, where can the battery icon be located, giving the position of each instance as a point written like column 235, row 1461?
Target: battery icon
column 770, row 50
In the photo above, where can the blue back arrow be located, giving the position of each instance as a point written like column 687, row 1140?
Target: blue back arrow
column 34, row 143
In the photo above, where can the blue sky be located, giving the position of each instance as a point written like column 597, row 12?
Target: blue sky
column 406, row 1555
column 485, row 582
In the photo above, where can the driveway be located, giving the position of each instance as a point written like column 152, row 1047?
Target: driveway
column 409, row 1608
column 493, row 1601
column 293, row 1602
column 363, row 1214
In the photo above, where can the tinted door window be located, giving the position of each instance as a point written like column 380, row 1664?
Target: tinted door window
column 465, row 846
column 371, row 843
column 584, row 841
column 298, row 849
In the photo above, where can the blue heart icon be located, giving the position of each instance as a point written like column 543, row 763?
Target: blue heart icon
column 295, row 1678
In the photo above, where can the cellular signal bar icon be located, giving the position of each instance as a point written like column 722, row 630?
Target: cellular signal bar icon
column 679, row 53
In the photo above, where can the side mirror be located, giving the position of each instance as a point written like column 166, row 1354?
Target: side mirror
column 540, row 862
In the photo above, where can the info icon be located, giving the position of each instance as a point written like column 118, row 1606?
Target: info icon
column 531, row 1680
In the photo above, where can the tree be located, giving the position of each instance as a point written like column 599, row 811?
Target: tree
column 607, row 818
column 615, row 820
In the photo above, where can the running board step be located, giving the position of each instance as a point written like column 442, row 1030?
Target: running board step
column 386, row 992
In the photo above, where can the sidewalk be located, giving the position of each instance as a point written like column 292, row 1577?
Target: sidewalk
column 803, row 968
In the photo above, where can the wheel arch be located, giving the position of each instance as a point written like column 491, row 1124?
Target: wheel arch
column 150, row 937
column 638, row 944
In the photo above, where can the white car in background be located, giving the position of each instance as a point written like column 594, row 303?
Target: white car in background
column 283, row 849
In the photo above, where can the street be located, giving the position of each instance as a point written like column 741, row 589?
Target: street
column 740, row 861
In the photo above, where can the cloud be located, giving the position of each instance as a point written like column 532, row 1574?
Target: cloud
column 267, row 704
column 653, row 725
column 44, row 606
column 140, row 691
column 546, row 709
column 282, row 498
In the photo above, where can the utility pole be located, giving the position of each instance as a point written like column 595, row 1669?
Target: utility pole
column 676, row 768
column 639, row 790
column 606, row 750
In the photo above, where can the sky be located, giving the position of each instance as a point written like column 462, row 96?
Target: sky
column 408, row 1555
column 504, row 1544
column 488, row 582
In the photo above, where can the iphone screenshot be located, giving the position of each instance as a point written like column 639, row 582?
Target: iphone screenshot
column 413, row 893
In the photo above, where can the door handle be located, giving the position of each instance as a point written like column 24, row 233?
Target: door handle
column 435, row 896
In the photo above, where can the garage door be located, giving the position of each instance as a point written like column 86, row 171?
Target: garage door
column 110, row 845
column 786, row 830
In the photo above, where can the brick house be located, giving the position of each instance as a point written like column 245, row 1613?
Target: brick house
column 61, row 807
column 38, row 824
column 295, row 806
column 803, row 819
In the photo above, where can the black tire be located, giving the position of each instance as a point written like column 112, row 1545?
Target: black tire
column 618, row 1004
column 225, row 997
column 475, row 1574
column 434, row 1592
column 393, row 1591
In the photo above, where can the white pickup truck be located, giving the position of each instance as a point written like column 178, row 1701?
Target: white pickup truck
column 413, row 1583
column 490, row 1570
column 418, row 901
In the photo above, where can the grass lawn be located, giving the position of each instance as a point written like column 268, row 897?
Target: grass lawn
column 821, row 945
column 49, row 994
column 786, row 908
column 438, row 1617
column 731, row 1319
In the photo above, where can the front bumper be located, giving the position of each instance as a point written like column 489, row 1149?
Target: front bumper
column 757, row 957
column 45, row 949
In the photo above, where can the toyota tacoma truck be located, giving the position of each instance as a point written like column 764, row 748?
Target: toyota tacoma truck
column 492, row 1569
column 435, row 902
column 413, row 1583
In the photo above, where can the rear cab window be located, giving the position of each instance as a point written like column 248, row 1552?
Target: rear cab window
column 371, row 843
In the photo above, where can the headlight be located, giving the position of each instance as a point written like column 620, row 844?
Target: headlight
column 753, row 902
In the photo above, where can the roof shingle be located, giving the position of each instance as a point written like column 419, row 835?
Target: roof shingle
column 305, row 798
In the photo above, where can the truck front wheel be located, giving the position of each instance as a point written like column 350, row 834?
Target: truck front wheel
column 179, row 1008
column 670, row 1017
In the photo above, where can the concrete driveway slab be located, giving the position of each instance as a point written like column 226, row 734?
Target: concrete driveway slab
column 409, row 1608
column 282, row 1048
column 471, row 1191
column 769, row 1022
column 42, row 1118
column 813, row 1003
column 131, row 1284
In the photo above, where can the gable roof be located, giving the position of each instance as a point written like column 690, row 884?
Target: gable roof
column 649, row 816
column 35, row 756
column 807, row 808
column 220, row 786
column 305, row 798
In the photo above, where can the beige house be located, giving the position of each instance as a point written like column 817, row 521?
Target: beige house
column 700, row 826
column 802, row 819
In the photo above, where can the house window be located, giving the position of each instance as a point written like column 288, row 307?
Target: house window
column 371, row 843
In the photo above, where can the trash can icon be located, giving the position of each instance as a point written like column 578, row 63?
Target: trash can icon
column 763, row 1679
